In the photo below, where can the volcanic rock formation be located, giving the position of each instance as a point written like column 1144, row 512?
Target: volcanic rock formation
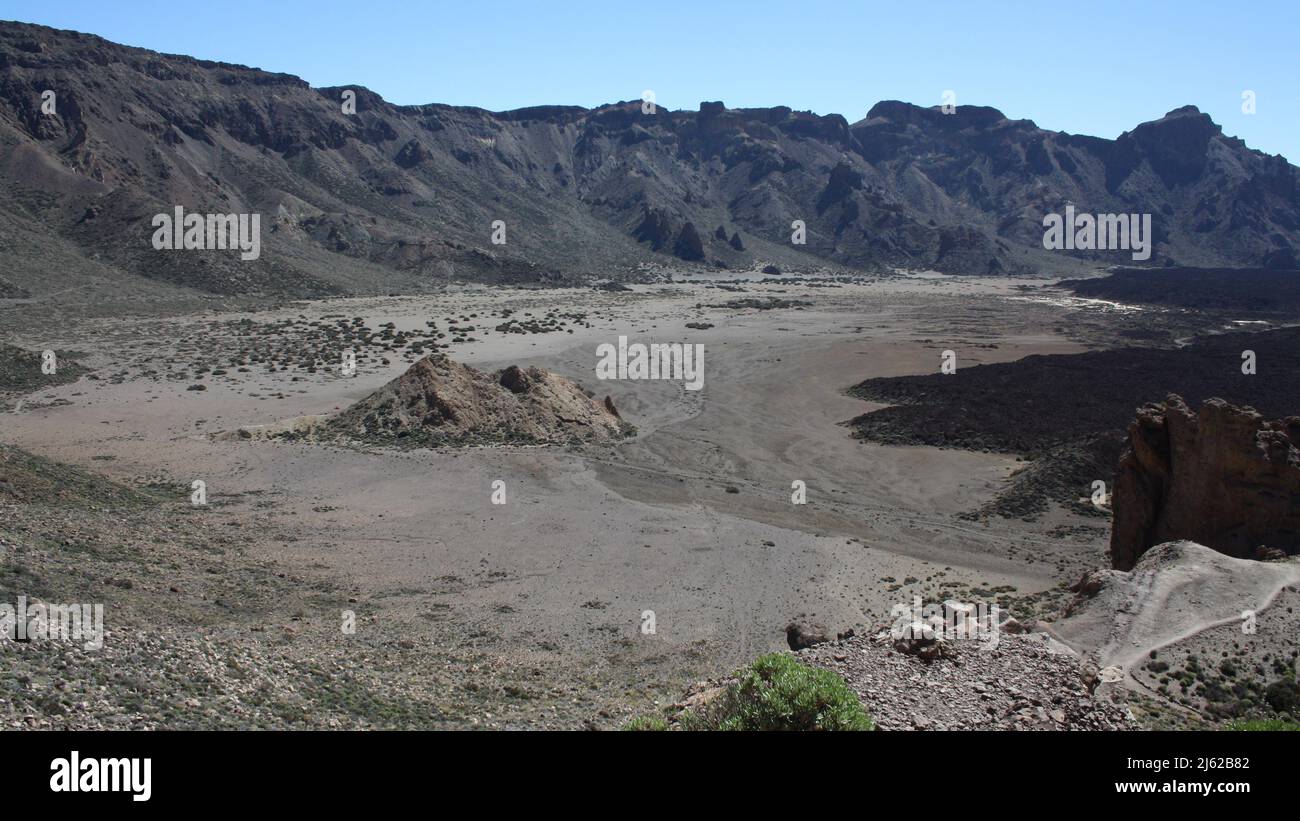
column 1223, row 477
column 441, row 402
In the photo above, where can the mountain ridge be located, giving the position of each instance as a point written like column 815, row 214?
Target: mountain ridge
column 404, row 198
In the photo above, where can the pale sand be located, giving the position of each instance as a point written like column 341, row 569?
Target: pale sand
column 587, row 542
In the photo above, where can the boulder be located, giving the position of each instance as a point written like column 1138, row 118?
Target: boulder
column 800, row 635
column 1264, row 553
column 1014, row 626
column 924, row 639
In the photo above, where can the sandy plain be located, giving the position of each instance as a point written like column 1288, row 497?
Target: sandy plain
column 692, row 518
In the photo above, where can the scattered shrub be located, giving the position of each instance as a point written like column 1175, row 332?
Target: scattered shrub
column 776, row 692
column 1263, row 725
column 646, row 724
column 1284, row 697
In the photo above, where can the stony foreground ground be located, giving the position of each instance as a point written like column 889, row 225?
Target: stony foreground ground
column 1021, row 684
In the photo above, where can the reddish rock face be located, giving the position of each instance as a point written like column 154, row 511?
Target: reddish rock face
column 1224, row 477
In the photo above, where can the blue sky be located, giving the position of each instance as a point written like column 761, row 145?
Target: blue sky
column 1090, row 68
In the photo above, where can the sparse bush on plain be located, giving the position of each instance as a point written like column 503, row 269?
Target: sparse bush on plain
column 776, row 692
column 646, row 724
column 1284, row 697
column 1272, row 725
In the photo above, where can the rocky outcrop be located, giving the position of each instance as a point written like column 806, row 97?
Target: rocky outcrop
column 655, row 228
column 411, row 155
column 441, row 402
column 689, row 246
column 1223, row 477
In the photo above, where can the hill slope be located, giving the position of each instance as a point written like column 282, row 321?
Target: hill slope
column 403, row 198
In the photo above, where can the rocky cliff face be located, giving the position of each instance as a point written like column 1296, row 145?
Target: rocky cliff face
column 441, row 402
column 1222, row 476
column 398, row 198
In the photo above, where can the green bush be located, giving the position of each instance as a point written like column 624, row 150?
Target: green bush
column 778, row 693
column 646, row 723
column 1264, row 726
column 1284, row 697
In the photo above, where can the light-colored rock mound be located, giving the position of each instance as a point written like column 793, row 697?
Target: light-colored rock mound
column 1175, row 591
column 1223, row 477
column 441, row 402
